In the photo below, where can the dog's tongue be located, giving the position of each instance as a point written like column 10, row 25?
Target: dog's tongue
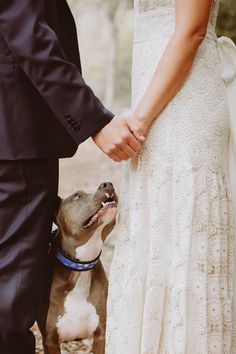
column 107, row 209
column 101, row 212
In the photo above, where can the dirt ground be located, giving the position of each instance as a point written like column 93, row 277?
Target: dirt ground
column 86, row 170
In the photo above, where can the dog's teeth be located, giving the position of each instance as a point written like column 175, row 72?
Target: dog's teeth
column 107, row 203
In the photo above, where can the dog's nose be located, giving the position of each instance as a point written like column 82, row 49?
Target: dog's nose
column 106, row 185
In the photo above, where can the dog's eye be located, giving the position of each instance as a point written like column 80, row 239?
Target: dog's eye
column 77, row 196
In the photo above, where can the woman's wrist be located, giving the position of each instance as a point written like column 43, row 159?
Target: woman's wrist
column 138, row 124
column 142, row 122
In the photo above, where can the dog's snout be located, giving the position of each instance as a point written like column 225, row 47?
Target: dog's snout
column 106, row 185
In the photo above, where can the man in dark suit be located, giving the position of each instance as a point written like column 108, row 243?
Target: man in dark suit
column 46, row 111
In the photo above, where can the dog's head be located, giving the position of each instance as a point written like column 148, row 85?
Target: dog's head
column 81, row 214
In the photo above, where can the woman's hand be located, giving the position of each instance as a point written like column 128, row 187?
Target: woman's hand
column 117, row 141
column 137, row 127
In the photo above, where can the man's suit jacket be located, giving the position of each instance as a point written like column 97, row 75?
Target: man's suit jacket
column 46, row 108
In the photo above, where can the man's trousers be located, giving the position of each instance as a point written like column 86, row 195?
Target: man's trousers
column 28, row 197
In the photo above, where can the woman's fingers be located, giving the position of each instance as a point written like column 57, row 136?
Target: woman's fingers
column 138, row 136
column 129, row 151
column 137, row 129
column 134, row 143
column 122, row 154
column 115, row 157
column 118, row 155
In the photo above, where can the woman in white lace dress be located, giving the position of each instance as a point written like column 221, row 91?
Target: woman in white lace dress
column 171, row 277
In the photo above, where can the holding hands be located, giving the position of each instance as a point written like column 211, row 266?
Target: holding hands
column 121, row 139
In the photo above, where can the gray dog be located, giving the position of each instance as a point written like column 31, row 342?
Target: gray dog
column 77, row 302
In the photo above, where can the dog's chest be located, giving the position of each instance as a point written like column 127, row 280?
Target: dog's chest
column 80, row 319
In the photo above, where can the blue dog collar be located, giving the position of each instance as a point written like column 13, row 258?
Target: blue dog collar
column 73, row 263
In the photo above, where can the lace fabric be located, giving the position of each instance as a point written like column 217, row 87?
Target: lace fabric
column 171, row 278
column 145, row 6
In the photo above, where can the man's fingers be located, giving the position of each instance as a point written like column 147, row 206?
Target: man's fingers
column 122, row 154
column 117, row 141
column 117, row 155
column 134, row 143
column 115, row 158
column 123, row 148
column 129, row 151
column 129, row 139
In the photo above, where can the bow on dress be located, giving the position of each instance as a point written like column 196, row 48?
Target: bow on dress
column 227, row 55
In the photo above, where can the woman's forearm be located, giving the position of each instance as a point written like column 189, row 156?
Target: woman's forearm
column 169, row 76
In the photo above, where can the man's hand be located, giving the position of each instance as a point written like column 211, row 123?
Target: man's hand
column 117, row 141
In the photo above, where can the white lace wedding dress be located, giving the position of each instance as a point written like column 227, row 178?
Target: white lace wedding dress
column 171, row 277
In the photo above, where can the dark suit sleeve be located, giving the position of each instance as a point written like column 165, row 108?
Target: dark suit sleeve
column 37, row 50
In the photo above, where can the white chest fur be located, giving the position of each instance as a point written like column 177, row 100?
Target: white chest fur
column 80, row 319
column 91, row 249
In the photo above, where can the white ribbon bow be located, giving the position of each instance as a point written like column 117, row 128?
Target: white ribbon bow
column 227, row 54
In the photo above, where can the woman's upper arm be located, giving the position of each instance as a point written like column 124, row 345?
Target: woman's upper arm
column 192, row 17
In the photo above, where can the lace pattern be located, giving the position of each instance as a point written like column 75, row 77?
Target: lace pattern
column 171, row 278
column 147, row 5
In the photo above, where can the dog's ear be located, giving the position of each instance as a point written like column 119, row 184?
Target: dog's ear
column 57, row 207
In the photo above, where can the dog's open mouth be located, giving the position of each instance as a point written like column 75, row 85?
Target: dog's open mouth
column 109, row 202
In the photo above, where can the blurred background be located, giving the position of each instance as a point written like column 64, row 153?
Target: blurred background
column 105, row 30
